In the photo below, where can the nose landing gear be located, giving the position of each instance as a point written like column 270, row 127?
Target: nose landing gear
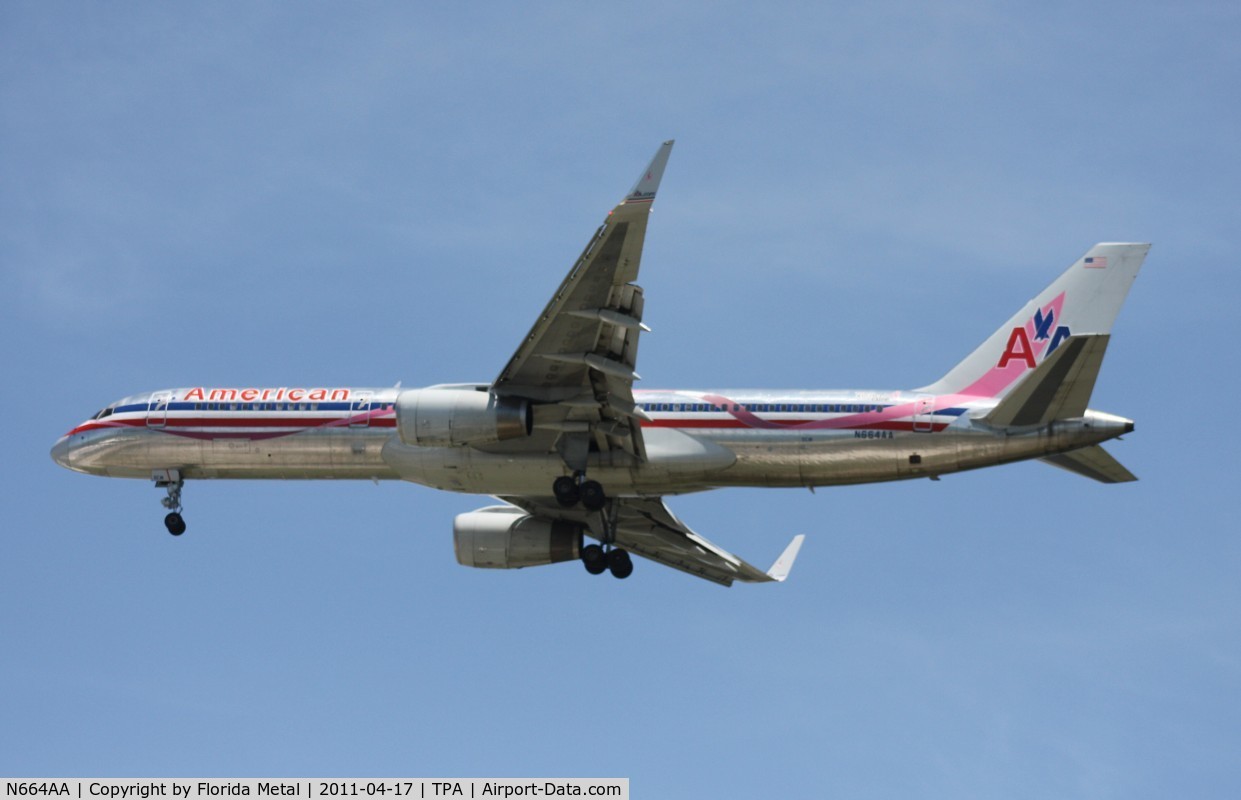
column 170, row 480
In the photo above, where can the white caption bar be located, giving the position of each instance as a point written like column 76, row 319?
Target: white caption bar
column 307, row 788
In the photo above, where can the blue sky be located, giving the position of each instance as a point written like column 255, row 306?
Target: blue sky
column 321, row 194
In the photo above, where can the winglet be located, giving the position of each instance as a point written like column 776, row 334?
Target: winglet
column 644, row 190
column 780, row 570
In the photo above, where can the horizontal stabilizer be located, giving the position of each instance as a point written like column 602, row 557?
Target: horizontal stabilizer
column 1094, row 463
column 1059, row 388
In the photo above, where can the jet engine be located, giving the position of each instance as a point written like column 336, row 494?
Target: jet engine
column 504, row 537
column 453, row 417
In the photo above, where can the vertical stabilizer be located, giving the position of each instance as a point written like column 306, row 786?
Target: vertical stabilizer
column 1083, row 300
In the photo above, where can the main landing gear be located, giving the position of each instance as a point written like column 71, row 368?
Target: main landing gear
column 574, row 489
column 570, row 490
column 615, row 560
column 170, row 481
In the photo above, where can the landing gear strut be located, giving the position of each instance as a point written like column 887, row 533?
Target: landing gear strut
column 170, row 481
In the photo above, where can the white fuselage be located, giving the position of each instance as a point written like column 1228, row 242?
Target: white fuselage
column 694, row 440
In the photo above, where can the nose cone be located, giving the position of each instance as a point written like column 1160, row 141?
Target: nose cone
column 60, row 452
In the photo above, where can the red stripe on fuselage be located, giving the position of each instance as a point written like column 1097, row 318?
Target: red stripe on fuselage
column 790, row 424
column 300, row 423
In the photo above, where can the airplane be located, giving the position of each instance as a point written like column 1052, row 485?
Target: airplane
column 573, row 451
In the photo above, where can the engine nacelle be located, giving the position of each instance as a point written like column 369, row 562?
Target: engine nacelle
column 456, row 417
column 503, row 537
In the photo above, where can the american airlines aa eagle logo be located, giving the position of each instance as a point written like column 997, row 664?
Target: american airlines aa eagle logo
column 1038, row 338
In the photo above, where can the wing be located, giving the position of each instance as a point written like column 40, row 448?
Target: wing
column 577, row 363
column 645, row 526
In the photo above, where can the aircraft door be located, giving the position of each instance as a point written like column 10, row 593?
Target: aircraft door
column 157, row 409
column 360, row 410
column 924, row 407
